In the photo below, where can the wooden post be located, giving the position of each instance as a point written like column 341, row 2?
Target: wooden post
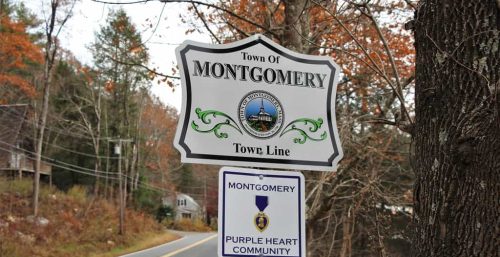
column 120, row 185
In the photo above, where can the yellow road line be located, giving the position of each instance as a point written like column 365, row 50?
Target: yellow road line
column 189, row 246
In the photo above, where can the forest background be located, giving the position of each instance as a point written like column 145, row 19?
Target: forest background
column 362, row 209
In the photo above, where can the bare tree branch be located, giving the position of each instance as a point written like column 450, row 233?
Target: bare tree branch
column 399, row 90
column 199, row 3
column 128, row 2
column 142, row 66
column 380, row 72
column 226, row 11
column 236, row 28
column 205, row 24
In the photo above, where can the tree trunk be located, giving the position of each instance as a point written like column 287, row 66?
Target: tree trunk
column 50, row 53
column 133, row 167
column 97, row 139
column 347, row 220
column 292, row 37
column 457, row 130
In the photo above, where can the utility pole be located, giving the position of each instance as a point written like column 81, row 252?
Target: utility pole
column 205, row 201
column 118, row 151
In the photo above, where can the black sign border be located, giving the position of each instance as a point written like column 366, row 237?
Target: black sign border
column 229, row 171
column 187, row 112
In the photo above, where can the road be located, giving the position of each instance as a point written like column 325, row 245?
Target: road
column 190, row 245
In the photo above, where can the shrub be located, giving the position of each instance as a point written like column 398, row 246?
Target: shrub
column 23, row 187
column 77, row 226
column 191, row 225
column 147, row 200
column 165, row 213
column 78, row 193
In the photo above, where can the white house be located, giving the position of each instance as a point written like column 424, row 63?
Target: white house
column 185, row 207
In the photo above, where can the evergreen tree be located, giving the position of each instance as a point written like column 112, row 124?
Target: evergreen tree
column 118, row 51
column 119, row 57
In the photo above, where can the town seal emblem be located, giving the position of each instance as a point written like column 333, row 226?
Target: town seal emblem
column 261, row 114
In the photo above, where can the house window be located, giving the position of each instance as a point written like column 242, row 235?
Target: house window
column 182, row 202
column 186, row 215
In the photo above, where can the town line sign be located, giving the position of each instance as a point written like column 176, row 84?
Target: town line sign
column 255, row 103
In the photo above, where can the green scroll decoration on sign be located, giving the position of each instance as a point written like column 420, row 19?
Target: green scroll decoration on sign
column 203, row 116
column 313, row 127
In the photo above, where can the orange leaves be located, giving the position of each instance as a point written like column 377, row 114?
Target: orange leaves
column 87, row 74
column 19, row 82
column 16, row 46
column 241, row 8
column 136, row 49
column 109, row 86
column 261, row 7
column 279, row 15
column 368, row 42
column 158, row 125
column 120, row 25
column 152, row 74
column 260, row 12
column 16, row 53
column 70, row 220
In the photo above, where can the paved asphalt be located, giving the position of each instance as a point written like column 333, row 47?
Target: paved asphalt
column 188, row 246
column 207, row 249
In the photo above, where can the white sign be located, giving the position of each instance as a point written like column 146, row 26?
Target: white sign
column 254, row 103
column 261, row 213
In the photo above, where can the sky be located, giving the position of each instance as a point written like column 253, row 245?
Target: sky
column 88, row 16
column 253, row 107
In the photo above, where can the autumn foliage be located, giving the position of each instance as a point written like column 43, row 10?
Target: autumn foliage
column 365, row 42
column 159, row 123
column 363, row 208
column 17, row 53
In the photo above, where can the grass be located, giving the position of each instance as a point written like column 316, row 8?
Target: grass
column 150, row 240
column 22, row 187
column 191, row 225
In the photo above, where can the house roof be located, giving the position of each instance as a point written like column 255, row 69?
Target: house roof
column 12, row 118
column 189, row 198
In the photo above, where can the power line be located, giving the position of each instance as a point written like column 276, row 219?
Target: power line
column 63, row 167
column 17, row 115
column 64, row 148
column 33, row 124
column 87, row 171
column 114, row 176
column 140, row 183
column 48, row 159
column 71, row 167
column 60, row 131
